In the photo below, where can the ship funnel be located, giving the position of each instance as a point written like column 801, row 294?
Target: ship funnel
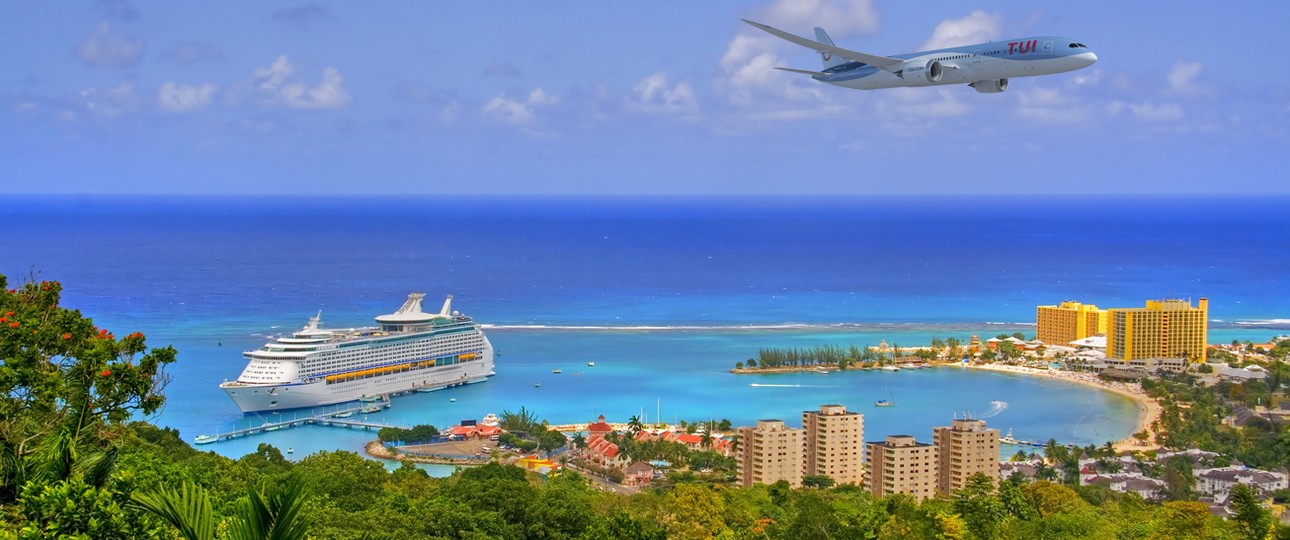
column 446, row 310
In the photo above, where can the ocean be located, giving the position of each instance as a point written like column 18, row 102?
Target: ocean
column 663, row 294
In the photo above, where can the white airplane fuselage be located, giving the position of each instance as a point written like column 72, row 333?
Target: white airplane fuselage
column 985, row 67
column 986, row 62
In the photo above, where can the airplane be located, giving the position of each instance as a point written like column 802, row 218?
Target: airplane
column 985, row 67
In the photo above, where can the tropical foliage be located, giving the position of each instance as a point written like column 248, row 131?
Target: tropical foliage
column 74, row 468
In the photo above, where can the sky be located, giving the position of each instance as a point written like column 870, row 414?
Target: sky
column 620, row 98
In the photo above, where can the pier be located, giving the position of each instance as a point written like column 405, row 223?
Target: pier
column 337, row 418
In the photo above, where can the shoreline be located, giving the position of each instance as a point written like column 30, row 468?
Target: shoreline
column 1148, row 410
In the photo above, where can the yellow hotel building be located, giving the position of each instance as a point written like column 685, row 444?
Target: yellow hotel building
column 1069, row 321
column 1162, row 329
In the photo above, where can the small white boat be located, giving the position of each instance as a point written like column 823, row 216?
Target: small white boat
column 268, row 427
column 556, row 371
column 452, row 400
column 591, row 364
column 205, row 439
column 884, row 403
column 537, row 385
column 425, row 389
column 370, row 409
column 345, row 414
column 890, row 368
column 368, row 398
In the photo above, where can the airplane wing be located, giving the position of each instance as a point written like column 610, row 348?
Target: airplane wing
column 803, row 71
column 884, row 62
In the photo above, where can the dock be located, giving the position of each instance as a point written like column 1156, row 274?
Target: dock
column 328, row 418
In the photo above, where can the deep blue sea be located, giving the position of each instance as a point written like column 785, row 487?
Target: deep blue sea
column 664, row 294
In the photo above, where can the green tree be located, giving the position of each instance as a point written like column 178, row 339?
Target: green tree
column 72, row 508
column 277, row 515
column 1179, row 478
column 67, row 388
column 980, row 508
column 552, row 440
column 521, row 421
column 696, row 512
column 1253, row 521
column 1184, row 519
column 818, row 481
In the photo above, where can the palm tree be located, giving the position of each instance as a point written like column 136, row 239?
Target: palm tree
column 579, row 441
column 705, row 440
column 734, row 442
column 276, row 516
column 953, row 345
column 634, row 425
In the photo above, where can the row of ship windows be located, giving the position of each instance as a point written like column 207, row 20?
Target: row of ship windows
column 348, row 359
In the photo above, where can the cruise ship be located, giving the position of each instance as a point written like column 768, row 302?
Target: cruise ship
column 407, row 350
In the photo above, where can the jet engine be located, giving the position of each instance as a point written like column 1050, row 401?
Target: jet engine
column 990, row 87
column 930, row 72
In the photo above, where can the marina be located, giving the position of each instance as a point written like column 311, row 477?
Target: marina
column 336, row 418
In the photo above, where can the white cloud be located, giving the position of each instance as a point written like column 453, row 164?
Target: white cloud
column 1049, row 106
column 760, row 92
column 106, row 102
column 1182, row 78
column 518, row 111
column 104, row 49
column 652, row 95
column 977, row 27
column 841, row 18
column 280, row 84
column 1147, row 111
column 182, row 98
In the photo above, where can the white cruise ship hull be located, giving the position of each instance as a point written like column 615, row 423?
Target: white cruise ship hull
column 259, row 398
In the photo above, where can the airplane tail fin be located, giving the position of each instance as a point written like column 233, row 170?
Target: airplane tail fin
column 829, row 60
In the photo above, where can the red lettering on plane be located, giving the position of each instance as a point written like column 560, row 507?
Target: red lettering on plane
column 1022, row 47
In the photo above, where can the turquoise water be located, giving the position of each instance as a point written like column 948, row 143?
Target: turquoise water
column 683, row 375
column 215, row 276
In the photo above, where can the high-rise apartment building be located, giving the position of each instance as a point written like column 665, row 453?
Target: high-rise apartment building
column 1162, row 329
column 964, row 448
column 901, row 465
column 1068, row 321
column 769, row 452
column 833, row 443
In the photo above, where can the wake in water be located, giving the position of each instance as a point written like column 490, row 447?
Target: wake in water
column 996, row 407
column 838, row 326
column 790, row 386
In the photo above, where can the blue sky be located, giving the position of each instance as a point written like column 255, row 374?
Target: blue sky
column 667, row 97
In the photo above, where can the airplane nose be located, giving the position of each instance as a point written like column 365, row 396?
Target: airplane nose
column 1089, row 57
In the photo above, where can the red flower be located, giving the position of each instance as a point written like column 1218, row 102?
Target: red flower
column 106, row 372
column 8, row 314
column 67, row 336
column 14, row 325
column 3, row 320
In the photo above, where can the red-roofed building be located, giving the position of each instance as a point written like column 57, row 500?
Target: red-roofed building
column 473, row 432
column 599, row 428
column 639, row 474
column 604, row 452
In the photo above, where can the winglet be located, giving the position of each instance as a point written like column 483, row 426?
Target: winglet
column 884, row 62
